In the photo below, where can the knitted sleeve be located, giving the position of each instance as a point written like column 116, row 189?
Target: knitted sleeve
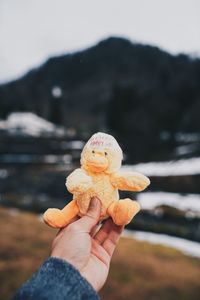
column 59, row 280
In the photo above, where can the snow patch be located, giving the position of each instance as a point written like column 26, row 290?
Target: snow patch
column 183, row 137
column 27, row 123
column 186, row 149
column 187, row 247
column 190, row 166
column 189, row 202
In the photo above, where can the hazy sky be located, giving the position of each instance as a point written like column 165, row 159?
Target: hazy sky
column 32, row 30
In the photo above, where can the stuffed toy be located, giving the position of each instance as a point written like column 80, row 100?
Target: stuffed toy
column 99, row 175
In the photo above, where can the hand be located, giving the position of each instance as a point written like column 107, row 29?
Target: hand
column 89, row 253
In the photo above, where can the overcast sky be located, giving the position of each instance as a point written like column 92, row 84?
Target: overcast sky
column 33, row 30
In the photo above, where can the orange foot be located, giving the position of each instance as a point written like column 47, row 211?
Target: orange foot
column 54, row 217
column 123, row 211
column 58, row 218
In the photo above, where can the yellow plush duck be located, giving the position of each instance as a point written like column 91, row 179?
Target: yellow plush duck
column 99, row 176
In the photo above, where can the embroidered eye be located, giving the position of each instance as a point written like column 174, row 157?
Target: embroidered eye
column 105, row 153
column 93, row 151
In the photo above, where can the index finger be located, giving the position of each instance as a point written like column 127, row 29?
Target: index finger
column 112, row 239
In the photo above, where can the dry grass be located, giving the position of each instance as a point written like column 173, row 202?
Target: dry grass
column 139, row 270
column 143, row 271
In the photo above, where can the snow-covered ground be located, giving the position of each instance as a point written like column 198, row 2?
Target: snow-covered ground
column 189, row 202
column 29, row 124
column 184, row 137
column 187, row 247
column 190, row 166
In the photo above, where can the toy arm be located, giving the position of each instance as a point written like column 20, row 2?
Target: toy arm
column 130, row 181
column 78, row 181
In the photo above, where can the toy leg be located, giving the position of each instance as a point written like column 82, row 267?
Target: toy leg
column 123, row 211
column 59, row 218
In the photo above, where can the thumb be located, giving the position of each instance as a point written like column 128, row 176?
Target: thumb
column 88, row 221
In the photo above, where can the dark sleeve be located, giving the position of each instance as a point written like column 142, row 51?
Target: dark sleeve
column 59, row 280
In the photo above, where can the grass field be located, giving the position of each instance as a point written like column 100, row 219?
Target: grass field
column 138, row 271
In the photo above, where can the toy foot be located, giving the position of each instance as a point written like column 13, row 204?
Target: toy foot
column 60, row 218
column 54, row 217
column 123, row 211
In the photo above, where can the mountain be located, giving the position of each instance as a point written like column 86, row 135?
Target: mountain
column 144, row 96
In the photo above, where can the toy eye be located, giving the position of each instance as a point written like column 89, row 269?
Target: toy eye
column 93, row 151
column 105, row 153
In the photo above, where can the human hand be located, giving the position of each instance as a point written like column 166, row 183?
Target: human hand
column 90, row 254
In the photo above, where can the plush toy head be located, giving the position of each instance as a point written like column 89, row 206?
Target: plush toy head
column 101, row 153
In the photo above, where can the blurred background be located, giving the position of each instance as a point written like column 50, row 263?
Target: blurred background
column 131, row 69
